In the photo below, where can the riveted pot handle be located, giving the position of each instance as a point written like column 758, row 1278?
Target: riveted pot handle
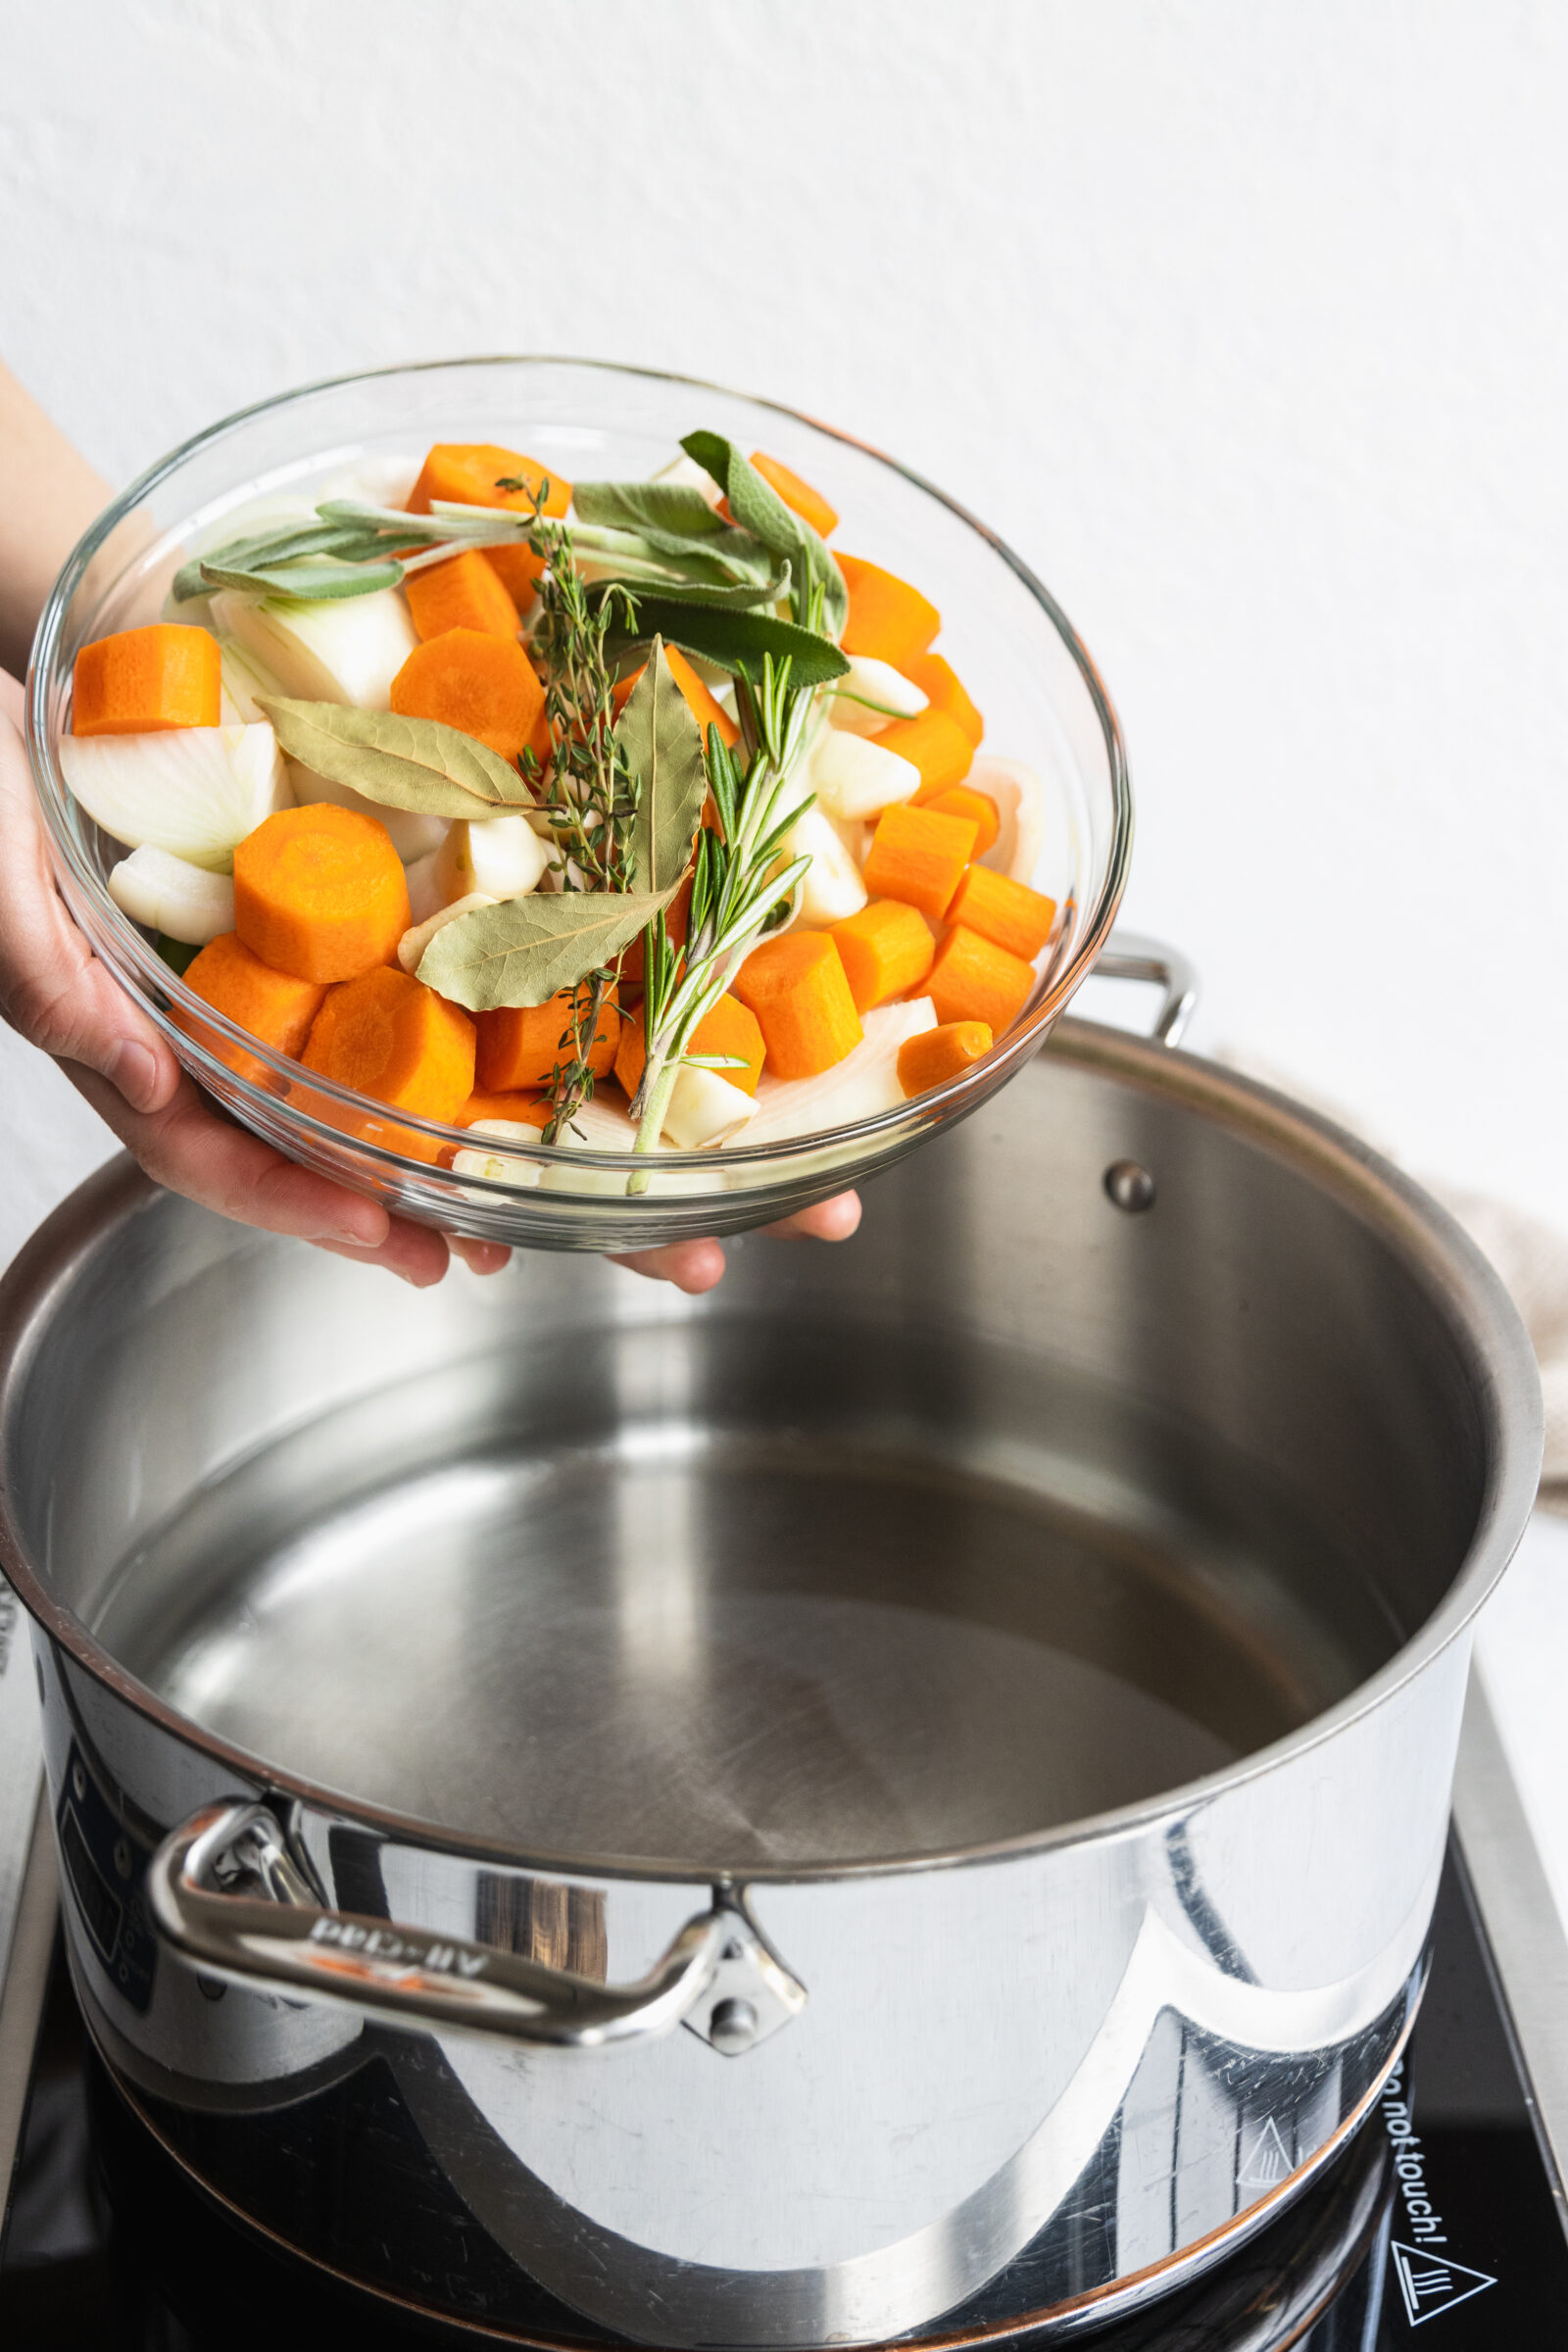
column 718, row 1977
column 1131, row 956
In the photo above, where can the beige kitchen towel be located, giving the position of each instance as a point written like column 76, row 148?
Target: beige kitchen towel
column 1531, row 1258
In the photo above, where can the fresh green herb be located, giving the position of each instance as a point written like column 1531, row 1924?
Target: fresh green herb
column 734, row 641
column 662, row 745
column 400, row 762
column 759, row 509
column 527, row 950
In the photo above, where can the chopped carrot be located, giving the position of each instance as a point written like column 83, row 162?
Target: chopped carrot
column 938, row 1055
column 1003, row 910
column 727, row 1027
column 942, row 692
column 800, row 498
column 466, row 474
column 918, row 855
column 388, row 1035
column 484, row 686
column 886, row 948
column 272, row 1005
column 889, row 620
column 464, row 593
column 963, row 800
column 975, row 980
column 933, row 742
column 320, row 892
column 798, row 989
column 522, row 1045
column 144, row 681
column 521, row 1109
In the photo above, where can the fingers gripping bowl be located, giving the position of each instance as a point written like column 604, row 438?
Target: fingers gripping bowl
column 362, row 438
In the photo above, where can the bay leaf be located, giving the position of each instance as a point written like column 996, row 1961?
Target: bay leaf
column 664, row 745
column 758, row 508
column 734, row 640
column 412, row 763
column 525, row 950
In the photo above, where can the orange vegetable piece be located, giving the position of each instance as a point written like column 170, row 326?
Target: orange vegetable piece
column 889, row 620
column 521, row 1045
column 975, row 980
column 274, row 1006
column 320, row 892
column 1008, row 913
column 966, row 800
column 523, row 1110
column 464, row 593
column 484, row 686
column 388, row 1035
column 942, row 692
column 727, row 1027
column 800, row 498
column 886, row 950
column 798, row 989
column 918, row 855
column 466, row 473
column 935, row 744
column 939, row 1055
column 145, row 681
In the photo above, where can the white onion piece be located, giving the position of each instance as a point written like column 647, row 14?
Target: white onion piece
column 414, row 941
column 500, row 855
column 410, row 834
column 194, row 791
column 425, row 889
column 863, row 1083
column 831, row 886
column 705, row 1109
column 1020, row 800
column 687, row 474
column 877, row 682
column 343, row 650
column 500, row 1166
column 856, row 779
column 606, row 1128
column 169, row 893
column 244, row 680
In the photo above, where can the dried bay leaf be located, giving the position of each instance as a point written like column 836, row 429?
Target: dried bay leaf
column 414, row 763
column 664, row 745
column 525, row 950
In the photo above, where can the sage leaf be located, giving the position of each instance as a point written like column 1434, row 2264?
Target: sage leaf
column 758, row 508
column 525, row 950
column 676, row 522
column 319, row 583
column 402, row 763
column 734, row 640
column 663, row 747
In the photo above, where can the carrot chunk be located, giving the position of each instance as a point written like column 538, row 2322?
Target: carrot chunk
column 975, row 980
column 938, row 1055
column 963, row 800
column 727, row 1027
column 484, row 686
column 145, row 681
column 942, row 692
column 464, row 592
column 800, row 498
column 522, row 1045
column 1008, row 913
column 521, row 1109
column 797, row 987
column 918, row 855
column 319, row 892
column 886, row 950
column 466, row 473
column 889, row 620
column 935, row 744
column 274, row 1006
column 388, row 1035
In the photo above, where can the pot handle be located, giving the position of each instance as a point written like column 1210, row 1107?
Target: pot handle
column 718, row 1977
column 1132, row 955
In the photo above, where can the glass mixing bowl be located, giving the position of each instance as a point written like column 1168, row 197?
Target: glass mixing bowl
column 1004, row 633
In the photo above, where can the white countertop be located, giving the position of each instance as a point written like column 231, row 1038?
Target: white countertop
column 1521, row 1657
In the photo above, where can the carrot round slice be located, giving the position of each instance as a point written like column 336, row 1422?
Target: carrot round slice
column 276, row 1006
column 145, row 681
column 388, row 1035
column 466, row 473
column 482, row 685
column 320, row 892
column 523, row 1045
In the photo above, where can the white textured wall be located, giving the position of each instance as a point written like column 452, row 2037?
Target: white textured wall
column 1243, row 320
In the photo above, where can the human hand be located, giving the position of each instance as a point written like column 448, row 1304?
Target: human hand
column 59, row 996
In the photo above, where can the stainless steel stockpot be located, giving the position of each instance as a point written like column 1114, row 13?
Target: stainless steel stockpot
column 742, row 1818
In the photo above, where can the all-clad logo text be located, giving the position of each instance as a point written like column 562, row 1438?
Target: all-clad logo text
column 386, row 1943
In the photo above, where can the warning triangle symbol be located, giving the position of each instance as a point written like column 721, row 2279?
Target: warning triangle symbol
column 1430, row 2284
column 1267, row 2162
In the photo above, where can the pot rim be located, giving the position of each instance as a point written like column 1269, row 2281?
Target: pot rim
column 1487, row 1327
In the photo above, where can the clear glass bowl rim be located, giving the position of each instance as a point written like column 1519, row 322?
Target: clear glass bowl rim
column 159, row 978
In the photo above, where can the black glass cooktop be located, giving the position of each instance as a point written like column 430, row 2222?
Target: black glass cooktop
column 1443, row 2214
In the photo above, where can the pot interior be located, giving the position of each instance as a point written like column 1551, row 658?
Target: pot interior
column 1015, row 1510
